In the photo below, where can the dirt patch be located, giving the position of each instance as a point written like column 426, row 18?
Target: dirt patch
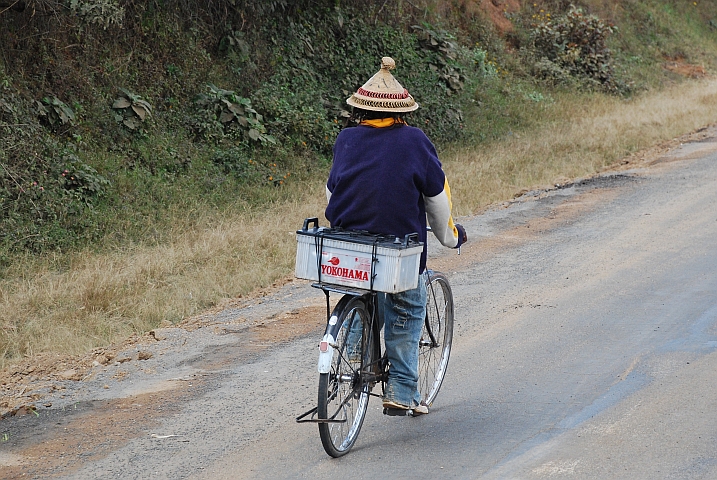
column 681, row 67
column 291, row 325
column 192, row 323
column 29, row 381
column 495, row 11
column 99, row 429
column 698, row 150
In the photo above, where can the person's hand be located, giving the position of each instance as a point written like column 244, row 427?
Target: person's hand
column 462, row 235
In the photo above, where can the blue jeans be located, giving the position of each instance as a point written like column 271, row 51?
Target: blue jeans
column 403, row 315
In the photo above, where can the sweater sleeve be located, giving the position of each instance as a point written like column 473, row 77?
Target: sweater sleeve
column 438, row 211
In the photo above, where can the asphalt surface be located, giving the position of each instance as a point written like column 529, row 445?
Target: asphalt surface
column 584, row 348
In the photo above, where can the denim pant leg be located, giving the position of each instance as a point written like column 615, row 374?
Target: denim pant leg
column 403, row 315
column 353, row 338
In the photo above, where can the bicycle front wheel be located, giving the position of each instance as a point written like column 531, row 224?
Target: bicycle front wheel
column 434, row 347
column 343, row 395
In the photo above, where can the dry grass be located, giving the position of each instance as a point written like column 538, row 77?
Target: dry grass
column 104, row 298
column 99, row 299
column 577, row 139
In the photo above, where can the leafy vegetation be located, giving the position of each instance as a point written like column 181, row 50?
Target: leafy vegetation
column 574, row 44
column 222, row 112
column 131, row 110
column 284, row 80
column 230, row 88
column 55, row 111
column 124, row 123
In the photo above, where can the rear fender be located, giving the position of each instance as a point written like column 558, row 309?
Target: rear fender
column 326, row 349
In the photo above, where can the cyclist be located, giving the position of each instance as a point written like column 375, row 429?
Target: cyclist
column 386, row 178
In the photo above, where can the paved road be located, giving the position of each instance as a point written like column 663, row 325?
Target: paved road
column 585, row 348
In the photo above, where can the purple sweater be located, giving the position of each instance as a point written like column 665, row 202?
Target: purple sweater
column 379, row 178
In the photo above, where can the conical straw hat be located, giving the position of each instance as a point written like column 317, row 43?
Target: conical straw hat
column 383, row 93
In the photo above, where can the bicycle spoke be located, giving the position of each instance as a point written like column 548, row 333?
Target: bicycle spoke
column 342, row 393
column 436, row 337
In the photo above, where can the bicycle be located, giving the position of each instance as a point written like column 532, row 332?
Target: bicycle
column 351, row 361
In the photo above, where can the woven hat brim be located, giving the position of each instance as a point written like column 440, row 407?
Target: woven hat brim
column 383, row 105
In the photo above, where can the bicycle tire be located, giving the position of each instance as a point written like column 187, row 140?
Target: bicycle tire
column 343, row 395
column 434, row 347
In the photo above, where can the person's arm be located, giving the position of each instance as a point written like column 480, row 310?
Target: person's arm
column 438, row 211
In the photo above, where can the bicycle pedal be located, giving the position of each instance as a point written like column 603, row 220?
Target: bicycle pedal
column 397, row 412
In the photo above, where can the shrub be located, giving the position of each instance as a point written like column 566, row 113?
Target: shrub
column 223, row 112
column 104, row 13
column 247, row 169
column 551, row 72
column 131, row 110
column 79, row 178
column 48, row 192
column 49, row 203
column 574, row 42
column 55, row 111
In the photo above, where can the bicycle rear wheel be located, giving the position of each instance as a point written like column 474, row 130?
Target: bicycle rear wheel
column 434, row 347
column 343, row 395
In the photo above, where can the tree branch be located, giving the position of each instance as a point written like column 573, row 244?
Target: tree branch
column 17, row 5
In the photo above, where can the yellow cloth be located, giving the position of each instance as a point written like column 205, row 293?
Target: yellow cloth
column 382, row 122
column 451, row 224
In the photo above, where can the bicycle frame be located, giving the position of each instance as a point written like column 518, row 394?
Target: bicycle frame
column 368, row 374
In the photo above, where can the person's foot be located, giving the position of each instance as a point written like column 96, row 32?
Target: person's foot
column 421, row 409
column 394, row 405
column 418, row 410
